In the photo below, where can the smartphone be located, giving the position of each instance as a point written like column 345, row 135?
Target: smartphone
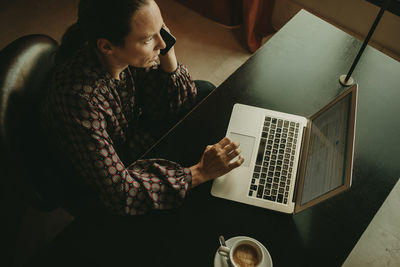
column 169, row 40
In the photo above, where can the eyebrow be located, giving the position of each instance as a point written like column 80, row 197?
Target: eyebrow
column 151, row 34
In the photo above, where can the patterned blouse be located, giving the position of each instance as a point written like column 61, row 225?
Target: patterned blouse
column 98, row 123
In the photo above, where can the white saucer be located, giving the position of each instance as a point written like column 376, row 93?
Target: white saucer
column 220, row 261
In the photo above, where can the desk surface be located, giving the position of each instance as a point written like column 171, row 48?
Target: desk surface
column 296, row 72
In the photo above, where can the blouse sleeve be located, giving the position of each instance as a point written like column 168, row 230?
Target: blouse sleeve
column 125, row 190
column 163, row 94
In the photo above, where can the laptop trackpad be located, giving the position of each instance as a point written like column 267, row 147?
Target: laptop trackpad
column 246, row 145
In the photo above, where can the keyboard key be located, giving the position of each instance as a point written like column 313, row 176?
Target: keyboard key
column 260, row 153
column 263, row 175
column 256, row 175
column 280, row 198
column 262, row 181
column 260, row 191
column 271, row 198
column 285, row 200
column 250, row 193
column 268, row 185
column 253, row 187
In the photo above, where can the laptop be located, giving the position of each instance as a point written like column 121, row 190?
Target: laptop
column 291, row 162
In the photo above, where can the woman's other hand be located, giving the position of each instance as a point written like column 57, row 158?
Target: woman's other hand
column 216, row 161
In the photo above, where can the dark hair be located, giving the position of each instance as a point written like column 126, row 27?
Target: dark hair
column 109, row 19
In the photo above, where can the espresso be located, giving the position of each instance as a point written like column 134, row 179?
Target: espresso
column 246, row 256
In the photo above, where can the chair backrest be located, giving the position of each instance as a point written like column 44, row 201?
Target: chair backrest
column 25, row 65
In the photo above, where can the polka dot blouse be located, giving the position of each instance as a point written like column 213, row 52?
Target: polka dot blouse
column 98, row 123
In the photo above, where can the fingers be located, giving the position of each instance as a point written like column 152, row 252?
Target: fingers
column 224, row 142
column 232, row 146
column 236, row 163
column 234, row 153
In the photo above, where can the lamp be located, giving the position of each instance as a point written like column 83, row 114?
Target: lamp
column 347, row 80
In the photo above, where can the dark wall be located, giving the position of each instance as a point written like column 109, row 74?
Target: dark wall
column 227, row 12
column 393, row 7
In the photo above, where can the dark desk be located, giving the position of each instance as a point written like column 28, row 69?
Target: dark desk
column 297, row 72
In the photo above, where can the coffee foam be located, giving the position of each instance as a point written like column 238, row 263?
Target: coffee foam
column 246, row 255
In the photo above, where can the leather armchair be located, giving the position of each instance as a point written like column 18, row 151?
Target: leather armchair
column 24, row 68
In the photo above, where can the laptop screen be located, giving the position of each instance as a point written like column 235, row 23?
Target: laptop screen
column 327, row 157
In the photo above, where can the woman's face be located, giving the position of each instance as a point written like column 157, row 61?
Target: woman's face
column 143, row 43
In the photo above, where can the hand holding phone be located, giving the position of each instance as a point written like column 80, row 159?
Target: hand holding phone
column 169, row 40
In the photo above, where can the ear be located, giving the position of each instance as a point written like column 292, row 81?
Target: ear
column 105, row 46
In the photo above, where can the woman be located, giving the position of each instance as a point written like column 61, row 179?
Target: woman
column 108, row 94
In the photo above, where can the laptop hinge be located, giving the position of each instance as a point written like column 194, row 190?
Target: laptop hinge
column 296, row 187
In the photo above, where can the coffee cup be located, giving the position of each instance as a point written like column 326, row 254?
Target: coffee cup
column 243, row 253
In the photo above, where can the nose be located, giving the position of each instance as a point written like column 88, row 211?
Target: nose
column 161, row 43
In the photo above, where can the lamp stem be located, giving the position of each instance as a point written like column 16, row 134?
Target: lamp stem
column 371, row 31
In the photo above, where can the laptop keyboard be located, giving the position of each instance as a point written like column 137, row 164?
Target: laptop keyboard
column 273, row 172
